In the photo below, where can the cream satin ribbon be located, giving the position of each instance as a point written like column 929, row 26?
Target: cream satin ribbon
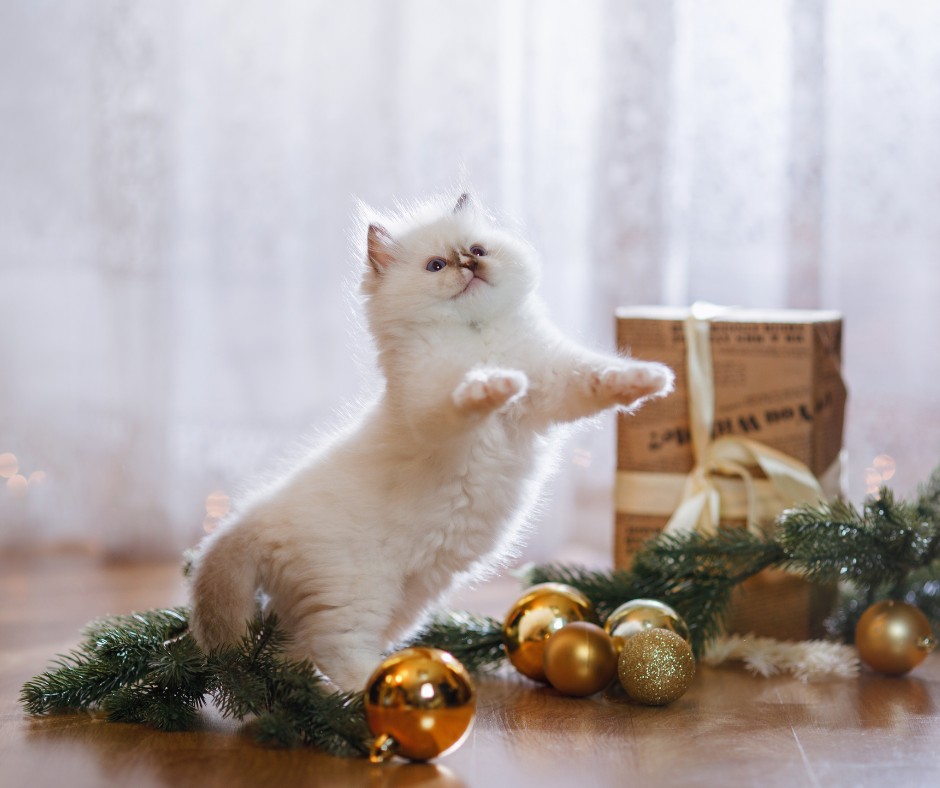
column 701, row 502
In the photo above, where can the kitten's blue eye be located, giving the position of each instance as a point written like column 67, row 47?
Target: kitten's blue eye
column 479, row 251
column 435, row 264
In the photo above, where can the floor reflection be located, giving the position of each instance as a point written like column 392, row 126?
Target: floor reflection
column 136, row 754
column 896, row 703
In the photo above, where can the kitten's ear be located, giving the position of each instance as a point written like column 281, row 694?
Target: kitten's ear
column 463, row 202
column 380, row 247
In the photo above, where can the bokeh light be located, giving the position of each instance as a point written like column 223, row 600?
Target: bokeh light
column 217, row 504
column 210, row 523
column 882, row 469
column 8, row 465
column 17, row 485
column 884, row 465
column 36, row 477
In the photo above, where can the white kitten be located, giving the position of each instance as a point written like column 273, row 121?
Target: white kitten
column 432, row 482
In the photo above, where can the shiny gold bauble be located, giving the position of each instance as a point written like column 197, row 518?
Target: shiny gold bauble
column 580, row 659
column 538, row 614
column 893, row 637
column 656, row 667
column 638, row 615
column 420, row 703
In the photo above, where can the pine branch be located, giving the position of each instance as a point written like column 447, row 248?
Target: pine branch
column 476, row 641
column 78, row 683
column 181, row 664
column 878, row 546
column 606, row 590
column 166, row 709
column 927, row 512
column 116, row 652
column 171, row 693
column 112, row 634
column 239, row 691
column 693, row 573
column 243, row 673
column 332, row 722
column 288, row 698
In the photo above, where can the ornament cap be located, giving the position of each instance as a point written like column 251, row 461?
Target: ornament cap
column 384, row 748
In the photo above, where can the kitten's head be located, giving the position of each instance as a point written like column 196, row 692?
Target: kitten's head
column 444, row 263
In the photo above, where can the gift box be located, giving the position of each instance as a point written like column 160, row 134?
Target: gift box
column 754, row 425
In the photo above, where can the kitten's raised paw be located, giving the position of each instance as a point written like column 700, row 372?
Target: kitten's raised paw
column 629, row 384
column 486, row 389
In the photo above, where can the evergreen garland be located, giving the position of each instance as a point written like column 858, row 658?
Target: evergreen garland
column 477, row 641
column 147, row 667
column 117, row 652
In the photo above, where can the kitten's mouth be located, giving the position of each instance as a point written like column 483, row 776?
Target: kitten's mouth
column 474, row 283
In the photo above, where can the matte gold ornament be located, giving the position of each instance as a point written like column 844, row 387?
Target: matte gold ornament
column 656, row 667
column 638, row 615
column 580, row 659
column 536, row 615
column 893, row 637
column 420, row 703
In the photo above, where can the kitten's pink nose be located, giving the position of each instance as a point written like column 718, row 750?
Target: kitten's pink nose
column 469, row 261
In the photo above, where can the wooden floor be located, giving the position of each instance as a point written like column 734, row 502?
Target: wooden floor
column 729, row 730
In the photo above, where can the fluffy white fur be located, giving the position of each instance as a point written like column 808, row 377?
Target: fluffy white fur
column 430, row 484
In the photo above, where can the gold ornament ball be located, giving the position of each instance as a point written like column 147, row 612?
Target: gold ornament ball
column 420, row 703
column 893, row 637
column 580, row 659
column 656, row 667
column 638, row 615
column 536, row 616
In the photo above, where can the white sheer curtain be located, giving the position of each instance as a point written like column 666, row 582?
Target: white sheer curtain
column 177, row 181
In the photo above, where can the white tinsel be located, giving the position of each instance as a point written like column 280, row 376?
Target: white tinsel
column 807, row 660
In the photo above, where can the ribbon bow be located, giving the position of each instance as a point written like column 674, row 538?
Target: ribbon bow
column 791, row 482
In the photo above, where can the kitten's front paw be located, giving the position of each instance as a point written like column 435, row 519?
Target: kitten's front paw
column 484, row 390
column 629, row 384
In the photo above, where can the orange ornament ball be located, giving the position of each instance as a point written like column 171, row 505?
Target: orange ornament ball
column 419, row 703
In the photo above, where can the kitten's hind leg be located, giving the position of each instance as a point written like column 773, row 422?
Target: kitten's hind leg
column 345, row 643
column 225, row 577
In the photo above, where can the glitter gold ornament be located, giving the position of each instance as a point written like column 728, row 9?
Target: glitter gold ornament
column 638, row 615
column 420, row 703
column 536, row 615
column 656, row 667
column 893, row 637
column 579, row 659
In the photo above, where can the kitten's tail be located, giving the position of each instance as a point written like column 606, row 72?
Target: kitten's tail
column 226, row 576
